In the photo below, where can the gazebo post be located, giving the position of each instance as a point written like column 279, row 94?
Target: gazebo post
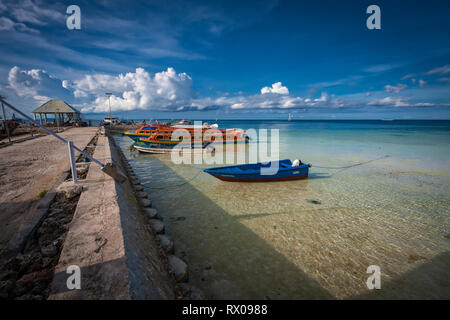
column 40, row 118
column 59, row 110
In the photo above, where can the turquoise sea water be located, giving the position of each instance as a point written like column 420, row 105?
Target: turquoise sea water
column 315, row 238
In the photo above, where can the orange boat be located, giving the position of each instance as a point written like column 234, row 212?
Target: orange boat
column 164, row 137
column 161, row 134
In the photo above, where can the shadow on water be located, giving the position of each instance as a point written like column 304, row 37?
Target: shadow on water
column 429, row 280
column 228, row 260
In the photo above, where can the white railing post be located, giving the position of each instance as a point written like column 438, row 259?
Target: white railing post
column 6, row 123
column 109, row 168
column 72, row 162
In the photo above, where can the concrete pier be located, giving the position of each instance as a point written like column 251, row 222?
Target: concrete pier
column 27, row 169
column 112, row 242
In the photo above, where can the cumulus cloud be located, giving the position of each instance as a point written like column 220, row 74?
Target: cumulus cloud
column 137, row 90
column 277, row 87
column 395, row 89
column 323, row 98
column 172, row 91
column 35, row 83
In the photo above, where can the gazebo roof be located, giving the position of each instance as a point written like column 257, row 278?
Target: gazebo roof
column 56, row 106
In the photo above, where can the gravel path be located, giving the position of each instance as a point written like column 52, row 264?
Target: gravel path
column 29, row 167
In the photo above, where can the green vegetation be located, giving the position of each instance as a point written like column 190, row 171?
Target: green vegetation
column 42, row 193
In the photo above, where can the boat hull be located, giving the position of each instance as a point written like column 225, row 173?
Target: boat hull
column 242, row 179
column 276, row 171
column 135, row 136
column 153, row 150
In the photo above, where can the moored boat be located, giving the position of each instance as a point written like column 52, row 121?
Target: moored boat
column 261, row 172
column 163, row 136
column 144, row 132
column 167, row 129
column 155, row 150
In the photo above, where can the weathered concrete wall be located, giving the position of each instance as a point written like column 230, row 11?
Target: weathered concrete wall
column 111, row 240
column 26, row 169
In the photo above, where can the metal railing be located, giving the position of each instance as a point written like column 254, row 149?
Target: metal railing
column 108, row 168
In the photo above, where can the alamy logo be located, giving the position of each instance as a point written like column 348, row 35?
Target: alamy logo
column 374, row 20
column 374, row 281
column 74, row 20
column 74, row 280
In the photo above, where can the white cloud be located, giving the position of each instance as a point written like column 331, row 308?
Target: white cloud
column 411, row 75
column 135, row 90
column 30, row 12
column 35, row 83
column 323, row 98
column 388, row 101
column 238, row 106
column 441, row 70
column 422, row 83
column 277, row 87
column 402, row 102
column 379, row 68
column 171, row 91
column 7, row 24
column 395, row 89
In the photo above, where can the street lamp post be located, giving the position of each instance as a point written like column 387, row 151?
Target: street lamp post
column 57, row 119
column 108, row 94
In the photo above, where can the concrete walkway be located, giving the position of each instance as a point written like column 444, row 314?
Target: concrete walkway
column 111, row 242
column 29, row 167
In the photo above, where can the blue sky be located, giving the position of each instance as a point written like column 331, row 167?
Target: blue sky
column 230, row 59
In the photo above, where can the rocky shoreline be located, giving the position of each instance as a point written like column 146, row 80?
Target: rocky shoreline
column 28, row 275
column 178, row 268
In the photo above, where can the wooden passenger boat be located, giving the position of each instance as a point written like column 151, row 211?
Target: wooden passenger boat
column 153, row 150
column 164, row 137
column 164, row 132
column 144, row 132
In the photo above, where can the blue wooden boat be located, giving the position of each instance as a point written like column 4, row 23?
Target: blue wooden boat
column 261, row 172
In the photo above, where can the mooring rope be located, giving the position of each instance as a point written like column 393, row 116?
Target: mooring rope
column 200, row 170
column 352, row 165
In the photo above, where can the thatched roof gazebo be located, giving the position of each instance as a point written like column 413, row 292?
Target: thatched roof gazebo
column 62, row 112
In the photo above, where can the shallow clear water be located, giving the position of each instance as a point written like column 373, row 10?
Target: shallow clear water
column 315, row 238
